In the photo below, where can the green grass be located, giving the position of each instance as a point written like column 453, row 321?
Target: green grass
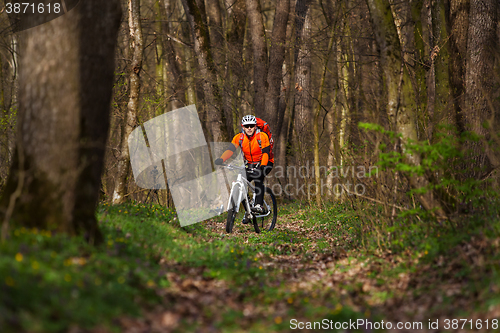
column 51, row 282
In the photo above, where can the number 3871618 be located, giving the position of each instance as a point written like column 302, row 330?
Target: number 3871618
column 32, row 8
column 474, row 325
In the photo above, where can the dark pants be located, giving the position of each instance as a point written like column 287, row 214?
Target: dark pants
column 258, row 177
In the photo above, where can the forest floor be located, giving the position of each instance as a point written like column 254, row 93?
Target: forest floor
column 311, row 270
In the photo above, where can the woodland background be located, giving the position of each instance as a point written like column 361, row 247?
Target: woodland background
column 409, row 87
column 313, row 70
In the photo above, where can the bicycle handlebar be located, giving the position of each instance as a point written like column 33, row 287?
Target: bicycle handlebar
column 229, row 166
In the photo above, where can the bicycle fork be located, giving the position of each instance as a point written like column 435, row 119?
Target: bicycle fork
column 242, row 192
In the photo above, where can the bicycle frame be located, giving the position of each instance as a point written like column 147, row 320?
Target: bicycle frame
column 242, row 184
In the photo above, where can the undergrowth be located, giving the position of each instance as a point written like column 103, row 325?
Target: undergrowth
column 51, row 282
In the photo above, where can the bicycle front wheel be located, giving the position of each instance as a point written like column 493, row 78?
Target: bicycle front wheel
column 231, row 214
column 268, row 221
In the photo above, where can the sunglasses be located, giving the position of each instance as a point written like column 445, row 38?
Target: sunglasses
column 249, row 126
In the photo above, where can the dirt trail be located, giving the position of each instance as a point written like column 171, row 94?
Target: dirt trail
column 361, row 284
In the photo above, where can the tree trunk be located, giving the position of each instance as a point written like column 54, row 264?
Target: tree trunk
column 458, row 25
column 274, row 115
column 130, row 120
column 196, row 16
column 439, row 56
column 430, row 80
column 160, row 70
column 401, row 106
column 303, row 100
column 260, row 59
column 220, row 59
column 64, row 100
column 235, row 35
column 174, row 80
column 343, row 105
column 317, row 175
column 482, row 44
column 281, row 141
column 303, row 68
column 331, row 160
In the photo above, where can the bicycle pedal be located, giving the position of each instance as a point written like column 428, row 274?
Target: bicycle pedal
column 258, row 210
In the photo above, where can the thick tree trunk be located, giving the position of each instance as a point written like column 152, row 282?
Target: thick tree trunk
column 64, row 101
column 130, row 120
column 482, row 45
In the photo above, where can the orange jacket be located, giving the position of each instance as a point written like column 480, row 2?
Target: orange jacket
column 251, row 148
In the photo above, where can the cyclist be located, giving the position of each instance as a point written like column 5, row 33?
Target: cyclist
column 256, row 151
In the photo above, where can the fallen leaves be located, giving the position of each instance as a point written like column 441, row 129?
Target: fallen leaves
column 312, row 269
column 169, row 320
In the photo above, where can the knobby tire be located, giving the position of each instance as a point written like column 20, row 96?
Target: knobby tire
column 231, row 214
column 267, row 223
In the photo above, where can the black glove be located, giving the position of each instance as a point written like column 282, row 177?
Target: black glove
column 218, row 161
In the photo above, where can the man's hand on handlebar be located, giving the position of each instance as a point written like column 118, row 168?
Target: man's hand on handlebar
column 218, row 161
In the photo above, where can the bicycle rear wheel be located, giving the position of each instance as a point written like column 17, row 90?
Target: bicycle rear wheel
column 268, row 222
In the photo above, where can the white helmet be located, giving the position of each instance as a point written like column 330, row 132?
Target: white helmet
column 248, row 120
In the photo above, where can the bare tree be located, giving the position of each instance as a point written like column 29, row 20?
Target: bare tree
column 317, row 111
column 267, row 64
column 458, row 25
column 173, row 79
column 400, row 95
column 197, row 18
column 260, row 59
column 130, row 119
column 274, row 93
column 220, row 59
column 303, row 84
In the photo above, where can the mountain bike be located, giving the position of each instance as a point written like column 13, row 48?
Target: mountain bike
column 242, row 191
